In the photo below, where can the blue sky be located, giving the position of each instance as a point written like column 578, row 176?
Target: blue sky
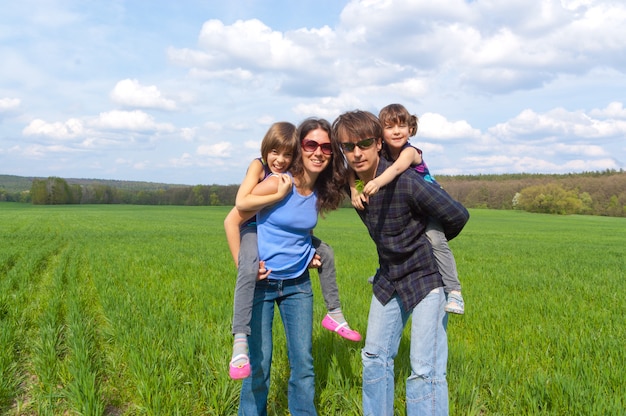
column 183, row 92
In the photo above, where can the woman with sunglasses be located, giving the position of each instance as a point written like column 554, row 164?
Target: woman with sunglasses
column 277, row 152
column 286, row 248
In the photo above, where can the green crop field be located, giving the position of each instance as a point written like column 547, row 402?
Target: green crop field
column 126, row 310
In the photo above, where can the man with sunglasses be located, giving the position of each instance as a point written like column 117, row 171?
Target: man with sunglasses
column 407, row 283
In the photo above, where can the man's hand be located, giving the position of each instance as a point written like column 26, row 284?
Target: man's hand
column 316, row 262
column 358, row 199
column 263, row 272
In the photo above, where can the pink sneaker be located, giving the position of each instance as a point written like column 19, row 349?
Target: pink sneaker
column 342, row 329
column 241, row 371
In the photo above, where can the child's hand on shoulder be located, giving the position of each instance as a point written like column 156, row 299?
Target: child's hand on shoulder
column 371, row 188
column 284, row 184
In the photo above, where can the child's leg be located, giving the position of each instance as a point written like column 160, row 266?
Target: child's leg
column 247, row 272
column 443, row 256
column 328, row 274
column 242, row 305
column 447, row 267
column 334, row 321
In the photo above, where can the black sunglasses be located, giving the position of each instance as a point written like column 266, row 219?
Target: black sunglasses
column 362, row 144
column 312, row 145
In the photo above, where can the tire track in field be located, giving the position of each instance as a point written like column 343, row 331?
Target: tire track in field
column 65, row 360
column 85, row 361
column 23, row 267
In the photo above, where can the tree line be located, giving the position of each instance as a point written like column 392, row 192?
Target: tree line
column 54, row 190
column 588, row 193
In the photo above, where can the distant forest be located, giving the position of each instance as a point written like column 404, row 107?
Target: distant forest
column 588, row 193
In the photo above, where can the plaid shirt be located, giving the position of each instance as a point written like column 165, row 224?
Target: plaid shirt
column 396, row 218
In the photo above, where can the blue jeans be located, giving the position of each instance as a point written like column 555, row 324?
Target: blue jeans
column 249, row 267
column 294, row 298
column 426, row 387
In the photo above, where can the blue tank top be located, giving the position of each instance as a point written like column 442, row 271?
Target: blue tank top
column 284, row 235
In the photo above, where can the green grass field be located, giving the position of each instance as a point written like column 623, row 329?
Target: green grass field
column 126, row 310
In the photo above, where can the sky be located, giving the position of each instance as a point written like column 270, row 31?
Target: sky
column 182, row 92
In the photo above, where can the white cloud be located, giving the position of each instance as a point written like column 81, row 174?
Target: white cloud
column 188, row 134
column 252, row 43
column 38, row 151
column 584, row 149
column 97, row 141
column 213, row 126
column 437, row 127
column 123, row 161
column 130, row 93
column 141, row 165
column 492, row 46
column 252, row 144
column 614, row 110
column 7, row 104
column 526, row 164
column 560, row 123
column 265, row 119
column 68, row 130
column 234, row 76
column 186, row 160
column 189, row 57
column 222, row 149
column 135, row 120
column 328, row 107
column 249, row 51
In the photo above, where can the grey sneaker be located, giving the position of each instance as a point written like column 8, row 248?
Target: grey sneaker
column 455, row 303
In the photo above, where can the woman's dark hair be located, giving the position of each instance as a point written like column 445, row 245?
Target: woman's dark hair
column 328, row 185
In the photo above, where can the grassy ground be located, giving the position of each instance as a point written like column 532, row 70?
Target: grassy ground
column 127, row 309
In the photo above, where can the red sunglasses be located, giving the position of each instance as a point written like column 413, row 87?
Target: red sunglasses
column 312, row 145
